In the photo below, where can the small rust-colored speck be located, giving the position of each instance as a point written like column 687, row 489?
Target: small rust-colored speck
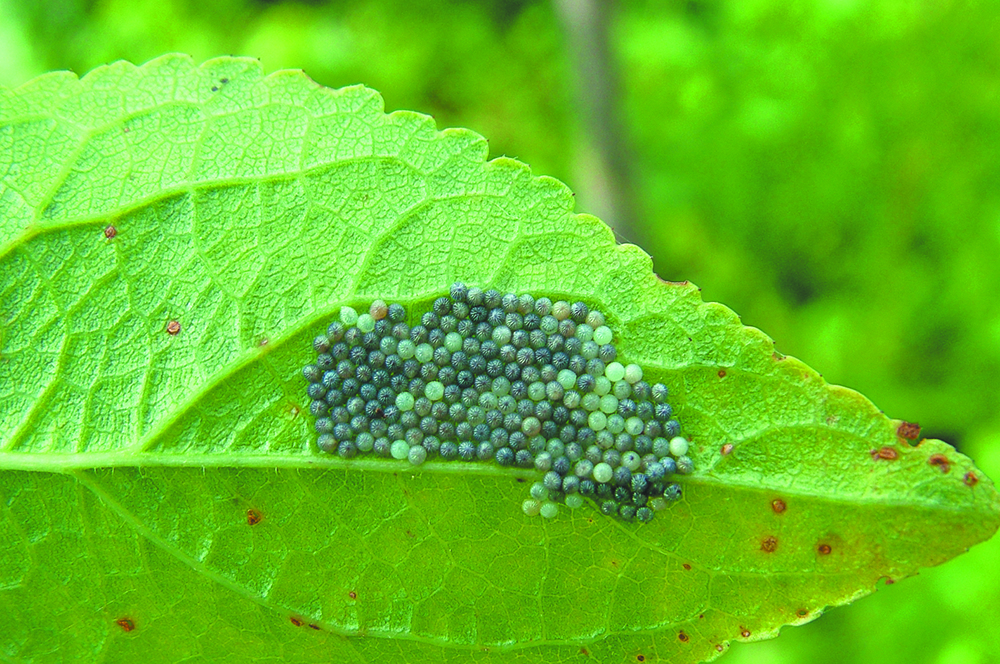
column 640, row 658
column 726, row 449
column 970, row 479
column 908, row 430
column 173, row 328
column 722, row 373
column 314, row 626
column 718, row 646
column 941, row 461
column 683, row 637
column 110, row 232
column 253, row 517
column 296, row 621
column 686, row 566
column 885, row 454
column 584, row 652
column 744, row 632
column 824, row 549
column 778, row 505
column 769, row 545
column 352, row 595
column 802, row 613
column 889, row 581
column 126, row 624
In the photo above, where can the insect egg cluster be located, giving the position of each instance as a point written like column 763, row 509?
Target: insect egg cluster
column 500, row 378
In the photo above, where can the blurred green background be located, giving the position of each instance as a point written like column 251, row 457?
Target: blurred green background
column 830, row 169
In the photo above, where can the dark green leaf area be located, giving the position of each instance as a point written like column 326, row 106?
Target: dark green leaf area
column 486, row 376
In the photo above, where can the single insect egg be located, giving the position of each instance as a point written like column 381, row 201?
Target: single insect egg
column 378, row 310
column 531, row 507
column 549, row 510
column 348, row 316
column 400, row 449
column 603, row 473
column 614, row 371
column 678, row 446
column 417, row 455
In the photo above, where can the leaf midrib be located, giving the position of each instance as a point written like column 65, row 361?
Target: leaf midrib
column 71, row 463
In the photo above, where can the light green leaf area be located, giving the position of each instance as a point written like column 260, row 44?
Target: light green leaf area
column 169, row 483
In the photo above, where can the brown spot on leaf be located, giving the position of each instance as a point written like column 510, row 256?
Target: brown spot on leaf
column 970, row 479
column 744, row 632
column 686, row 566
column 769, row 545
column 726, row 449
column 941, row 461
column 908, row 430
column 173, row 328
column 409, row 533
column 778, row 505
column 722, row 373
column 683, row 637
column 253, row 517
column 678, row 283
column 314, row 626
column 110, row 232
column 802, row 613
column 718, row 646
column 584, row 652
column 126, row 624
column 640, row 658
column 352, row 595
column 824, row 549
column 889, row 581
column 296, row 621
column 885, row 454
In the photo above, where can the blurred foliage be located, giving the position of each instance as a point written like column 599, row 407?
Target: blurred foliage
column 830, row 169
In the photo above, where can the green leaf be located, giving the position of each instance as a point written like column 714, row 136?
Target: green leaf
column 161, row 497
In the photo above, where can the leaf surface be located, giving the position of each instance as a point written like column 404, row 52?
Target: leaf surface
column 171, row 239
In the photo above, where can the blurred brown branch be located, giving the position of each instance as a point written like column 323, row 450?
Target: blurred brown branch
column 602, row 173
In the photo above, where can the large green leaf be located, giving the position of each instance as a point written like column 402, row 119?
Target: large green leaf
column 161, row 497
